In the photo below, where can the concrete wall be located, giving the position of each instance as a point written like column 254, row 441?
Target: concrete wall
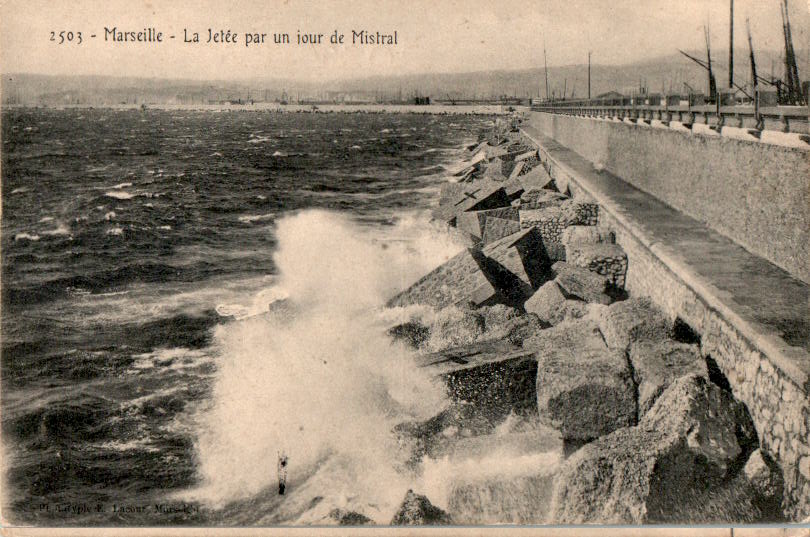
column 756, row 194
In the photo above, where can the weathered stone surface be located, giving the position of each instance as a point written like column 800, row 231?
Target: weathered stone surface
column 459, row 281
column 516, row 169
column 638, row 475
column 540, row 198
column 498, row 228
column 584, row 389
column 606, row 259
column 476, row 196
column 416, row 510
column 450, row 192
column 495, row 378
column 526, row 155
column 633, row 320
column 494, row 171
column 764, row 476
column 577, row 282
column 537, row 177
column 658, row 364
column 474, row 222
column 546, row 303
column 576, row 235
column 517, row 264
column 551, row 221
column 513, row 188
column 413, row 333
column 349, row 518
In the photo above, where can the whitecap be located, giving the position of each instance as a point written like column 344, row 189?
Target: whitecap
column 26, row 236
column 165, row 227
column 279, row 154
column 119, row 195
column 121, row 185
column 247, row 218
column 46, row 219
column 109, row 216
column 61, row 229
column 115, row 231
column 20, row 190
column 356, row 147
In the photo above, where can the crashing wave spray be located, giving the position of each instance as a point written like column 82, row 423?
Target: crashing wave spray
column 325, row 382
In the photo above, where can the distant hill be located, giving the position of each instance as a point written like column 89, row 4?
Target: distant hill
column 665, row 73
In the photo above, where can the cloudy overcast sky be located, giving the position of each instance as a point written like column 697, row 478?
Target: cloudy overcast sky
column 434, row 35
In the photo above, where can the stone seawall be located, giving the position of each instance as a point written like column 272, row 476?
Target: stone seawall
column 749, row 192
column 765, row 373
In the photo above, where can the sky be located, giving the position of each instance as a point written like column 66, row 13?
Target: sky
column 433, row 35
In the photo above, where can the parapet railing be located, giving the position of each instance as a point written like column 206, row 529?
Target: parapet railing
column 755, row 118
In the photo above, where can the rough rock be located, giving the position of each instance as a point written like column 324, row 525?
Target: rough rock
column 689, row 439
column 526, row 155
column 460, row 280
column 516, row 170
column 498, row 228
column 349, row 518
column 606, row 259
column 493, row 379
column 412, row 332
column 546, row 303
column 494, row 171
column 474, row 222
column 416, row 510
column 537, row 177
column 633, row 320
column 575, row 235
column 658, row 364
column 762, row 473
column 584, row 389
column 540, row 198
column 518, row 264
column 551, row 221
column 476, row 196
column 577, row 282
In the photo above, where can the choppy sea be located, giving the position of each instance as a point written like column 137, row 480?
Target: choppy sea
column 144, row 380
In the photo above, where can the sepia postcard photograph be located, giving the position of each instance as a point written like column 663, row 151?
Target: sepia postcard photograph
column 535, row 267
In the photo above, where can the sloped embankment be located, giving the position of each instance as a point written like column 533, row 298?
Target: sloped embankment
column 588, row 404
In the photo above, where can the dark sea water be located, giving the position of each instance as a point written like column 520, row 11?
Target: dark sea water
column 127, row 239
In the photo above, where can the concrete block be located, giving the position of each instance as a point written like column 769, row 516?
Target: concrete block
column 474, row 222
column 540, row 198
column 606, row 259
column 475, row 196
column 498, row 228
column 658, row 364
column 537, row 177
column 526, row 155
column 584, row 389
column 459, row 281
column 575, row 235
column 517, row 263
column 516, row 170
column 633, row 320
column 580, row 283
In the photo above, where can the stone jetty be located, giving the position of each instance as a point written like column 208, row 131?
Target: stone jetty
column 539, row 338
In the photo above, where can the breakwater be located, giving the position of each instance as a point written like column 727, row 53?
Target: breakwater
column 671, row 405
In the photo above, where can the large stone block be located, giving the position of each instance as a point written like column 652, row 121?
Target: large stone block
column 474, row 222
column 475, row 196
column 658, row 364
column 416, row 510
column 537, row 177
column 496, row 377
column 551, row 220
column 498, row 228
column 584, row 389
column 687, row 442
column 513, row 188
column 518, row 264
column 633, row 320
column 609, row 260
column 551, row 306
column 459, row 281
column 580, row 283
column 494, row 171
column 540, row 198
column 576, row 235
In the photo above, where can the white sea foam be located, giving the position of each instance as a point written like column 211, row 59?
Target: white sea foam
column 60, row 230
column 20, row 190
column 326, row 380
column 26, row 236
column 115, row 231
column 247, row 218
column 119, row 195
